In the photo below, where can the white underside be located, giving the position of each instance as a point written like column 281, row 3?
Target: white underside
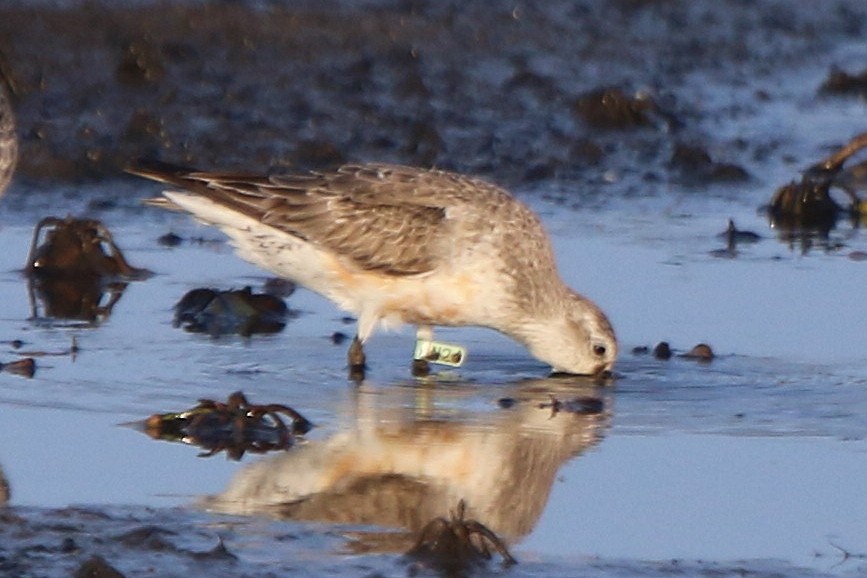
column 452, row 297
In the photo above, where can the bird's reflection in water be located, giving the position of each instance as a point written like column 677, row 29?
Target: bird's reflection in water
column 402, row 462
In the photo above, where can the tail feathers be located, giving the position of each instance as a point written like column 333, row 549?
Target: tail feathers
column 209, row 211
column 160, row 171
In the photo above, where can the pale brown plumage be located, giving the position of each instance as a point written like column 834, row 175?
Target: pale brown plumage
column 356, row 211
column 8, row 136
column 389, row 233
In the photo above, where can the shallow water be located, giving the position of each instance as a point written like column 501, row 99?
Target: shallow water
column 751, row 464
column 756, row 456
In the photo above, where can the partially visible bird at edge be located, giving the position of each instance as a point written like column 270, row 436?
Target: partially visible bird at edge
column 8, row 136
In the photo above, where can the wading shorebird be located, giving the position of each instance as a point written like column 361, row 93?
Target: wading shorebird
column 394, row 244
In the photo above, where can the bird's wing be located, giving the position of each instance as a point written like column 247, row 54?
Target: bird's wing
column 388, row 218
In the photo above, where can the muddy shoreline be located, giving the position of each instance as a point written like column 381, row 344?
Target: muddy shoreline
column 494, row 90
column 715, row 105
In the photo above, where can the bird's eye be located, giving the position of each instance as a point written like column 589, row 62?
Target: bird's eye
column 599, row 350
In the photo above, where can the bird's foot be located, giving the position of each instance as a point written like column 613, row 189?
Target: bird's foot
column 357, row 360
column 420, row 368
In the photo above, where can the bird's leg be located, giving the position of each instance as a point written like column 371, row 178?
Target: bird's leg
column 421, row 367
column 357, row 360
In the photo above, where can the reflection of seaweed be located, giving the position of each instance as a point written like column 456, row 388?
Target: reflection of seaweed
column 236, row 426
column 845, row 555
column 86, row 298
column 734, row 237
column 456, row 545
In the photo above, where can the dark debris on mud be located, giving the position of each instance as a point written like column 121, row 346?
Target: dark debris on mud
column 108, row 544
column 579, row 92
column 131, row 542
column 222, row 312
column 75, row 272
column 807, row 204
column 520, row 92
column 234, row 427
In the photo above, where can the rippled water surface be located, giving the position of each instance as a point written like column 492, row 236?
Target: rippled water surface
column 755, row 456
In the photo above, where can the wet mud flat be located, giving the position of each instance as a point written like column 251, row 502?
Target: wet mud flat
column 636, row 129
column 523, row 93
